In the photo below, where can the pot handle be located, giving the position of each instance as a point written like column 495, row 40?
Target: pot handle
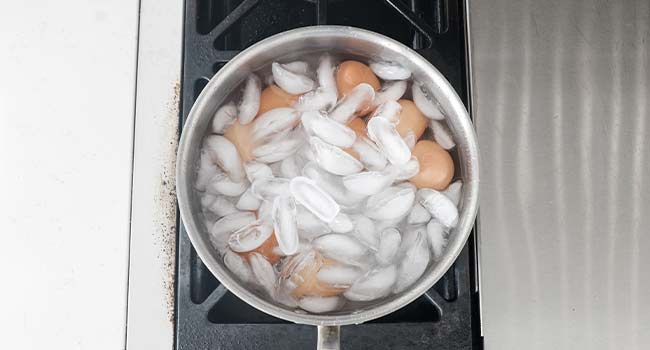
column 328, row 338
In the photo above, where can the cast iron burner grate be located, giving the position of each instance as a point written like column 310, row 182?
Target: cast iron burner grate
column 207, row 315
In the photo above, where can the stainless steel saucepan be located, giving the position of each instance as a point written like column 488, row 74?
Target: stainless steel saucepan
column 344, row 42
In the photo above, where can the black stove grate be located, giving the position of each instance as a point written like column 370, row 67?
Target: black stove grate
column 207, row 315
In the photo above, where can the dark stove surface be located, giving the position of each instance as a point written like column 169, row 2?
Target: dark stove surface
column 207, row 315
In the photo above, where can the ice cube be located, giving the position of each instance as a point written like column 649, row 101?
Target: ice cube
column 453, row 192
column 289, row 81
column 328, row 129
column 364, row 230
column 418, row 215
column 310, row 225
column 283, row 294
column 391, row 91
column 248, row 201
column 250, row 237
column 332, row 185
column 382, row 225
column 311, row 196
column 289, row 167
column 389, row 242
column 368, row 182
column 369, row 154
column 389, row 110
column 298, row 67
column 264, row 273
column 265, row 210
column 316, row 100
column 425, row 102
column 319, row 305
column 389, row 141
column 256, row 171
column 206, row 170
column 414, row 262
column 238, row 266
column 391, row 203
column 223, row 118
column 339, row 275
column 442, row 135
column 355, row 102
column 390, row 70
column 250, row 102
column 440, row 207
column 221, row 230
column 274, row 122
column 334, row 159
column 222, row 184
column 221, row 206
column 277, row 149
column 410, row 139
column 325, row 73
column 373, row 285
column 406, row 171
column 340, row 247
column 341, row 223
column 226, row 156
column 270, row 187
column 284, row 222
column 437, row 238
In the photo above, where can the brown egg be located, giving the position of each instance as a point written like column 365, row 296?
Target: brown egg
column 267, row 249
column 436, row 166
column 359, row 126
column 410, row 118
column 302, row 270
column 274, row 97
column 240, row 136
column 353, row 73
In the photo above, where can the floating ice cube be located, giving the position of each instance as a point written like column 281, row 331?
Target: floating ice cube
column 410, row 139
column 311, row 196
column 283, row 294
column 221, row 230
column 221, row 206
column 250, row 236
column 356, row 101
column 277, row 149
column 310, row 225
column 265, row 210
column 328, row 129
column 391, row 203
column 289, row 81
column 369, row 182
column 388, row 110
column 364, row 230
column 238, row 266
column 256, row 171
column 319, row 305
column 268, row 188
column 222, row 184
column 339, row 275
column 284, row 222
column 325, row 73
column 340, row 247
column 289, row 167
column 440, row 207
column 206, row 171
column 382, row 225
column 263, row 272
column 373, row 285
column 298, row 67
column 223, row 118
column 226, row 156
column 406, row 171
column 390, row 70
column 341, row 223
column 369, row 154
column 442, row 135
column 250, row 102
column 392, row 91
column 437, row 238
column 334, row 159
column 418, row 215
column 274, row 122
column 425, row 102
column 248, row 201
column 453, row 192
column 316, row 100
column 384, row 134
column 332, row 185
column 389, row 242
column 414, row 262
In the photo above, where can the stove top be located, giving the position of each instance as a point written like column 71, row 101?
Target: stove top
column 207, row 315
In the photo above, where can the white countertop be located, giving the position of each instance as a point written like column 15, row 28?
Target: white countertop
column 67, row 73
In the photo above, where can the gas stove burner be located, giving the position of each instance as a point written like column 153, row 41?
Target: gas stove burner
column 207, row 315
